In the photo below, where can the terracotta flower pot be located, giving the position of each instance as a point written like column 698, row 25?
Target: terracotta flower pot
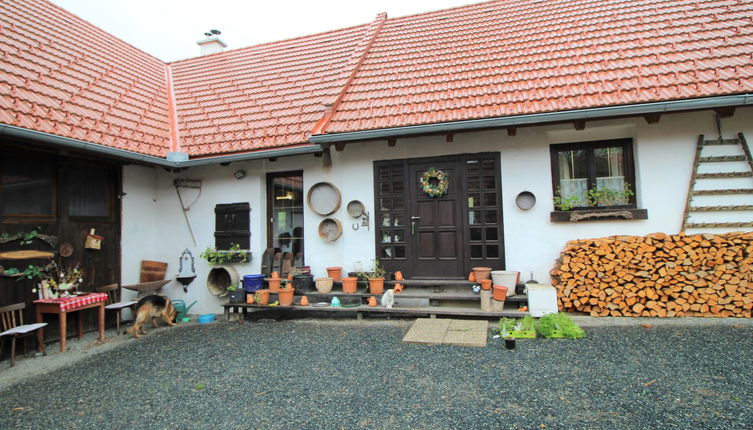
column 350, row 284
column 372, row 301
column 481, row 273
column 262, row 297
column 250, row 298
column 471, row 277
column 486, row 284
column 323, row 285
column 274, row 284
column 286, row 296
column 335, row 273
column 499, row 293
column 304, row 301
column 376, row 286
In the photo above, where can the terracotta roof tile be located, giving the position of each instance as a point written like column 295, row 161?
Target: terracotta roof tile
column 506, row 57
column 516, row 57
column 78, row 87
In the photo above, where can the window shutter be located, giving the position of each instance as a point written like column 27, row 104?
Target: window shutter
column 232, row 225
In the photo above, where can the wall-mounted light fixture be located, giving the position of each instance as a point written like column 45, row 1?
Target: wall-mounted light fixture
column 239, row 174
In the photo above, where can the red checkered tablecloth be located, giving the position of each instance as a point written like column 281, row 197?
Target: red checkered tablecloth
column 69, row 303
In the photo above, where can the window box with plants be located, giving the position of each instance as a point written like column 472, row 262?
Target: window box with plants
column 235, row 254
column 603, row 204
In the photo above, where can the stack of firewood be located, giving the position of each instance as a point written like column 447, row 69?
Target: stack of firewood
column 657, row 275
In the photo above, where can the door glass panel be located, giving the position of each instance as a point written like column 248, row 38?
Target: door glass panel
column 399, row 203
column 492, row 251
column 400, row 252
column 490, row 200
column 27, row 184
column 287, row 212
column 489, row 182
column 491, row 234
column 473, row 200
column 386, row 252
column 475, row 234
column 386, row 220
column 474, row 217
column 386, row 236
column 477, row 251
column 491, row 216
column 473, row 183
column 399, row 236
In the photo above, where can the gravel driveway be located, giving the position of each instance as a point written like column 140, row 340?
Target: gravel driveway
column 305, row 374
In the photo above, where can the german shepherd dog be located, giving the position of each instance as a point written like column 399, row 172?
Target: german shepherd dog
column 151, row 307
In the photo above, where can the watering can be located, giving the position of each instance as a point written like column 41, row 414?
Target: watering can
column 181, row 309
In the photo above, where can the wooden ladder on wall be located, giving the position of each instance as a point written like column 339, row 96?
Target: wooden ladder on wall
column 724, row 199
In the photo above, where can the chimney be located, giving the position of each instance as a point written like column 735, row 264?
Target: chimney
column 212, row 44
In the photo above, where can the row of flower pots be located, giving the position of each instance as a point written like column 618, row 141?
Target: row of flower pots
column 501, row 282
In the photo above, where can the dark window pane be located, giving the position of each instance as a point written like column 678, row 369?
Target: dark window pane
column 473, row 183
column 397, row 187
column 473, row 200
column 88, row 191
column 399, row 236
column 385, row 203
column 384, row 187
column 399, row 203
column 488, row 166
column 384, row 173
column 28, row 184
column 491, row 216
column 492, row 251
column 386, row 252
column 475, row 234
column 386, row 220
column 491, row 234
column 399, row 252
column 473, row 166
column 477, row 251
column 386, row 236
column 489, row 182
column 490, row 200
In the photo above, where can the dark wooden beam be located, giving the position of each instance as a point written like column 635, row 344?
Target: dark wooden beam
column 579, row 124
column 652, row 118
column 391, row 142
column 272, row 158
column 725, row 112
column 339, row 146
column 318, row 154
column 512, row 131
column 449, row 138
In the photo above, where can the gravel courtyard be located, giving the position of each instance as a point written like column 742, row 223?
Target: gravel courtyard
column 309, row 374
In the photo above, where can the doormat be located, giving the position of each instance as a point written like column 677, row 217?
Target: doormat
column 448, row 332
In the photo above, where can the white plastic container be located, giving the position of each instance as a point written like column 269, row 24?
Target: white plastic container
column 505, row 278
column 542, row 299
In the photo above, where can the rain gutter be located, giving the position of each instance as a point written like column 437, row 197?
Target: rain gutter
column 538, row 118
column 66, row 142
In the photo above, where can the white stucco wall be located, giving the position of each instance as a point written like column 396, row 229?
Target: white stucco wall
column 154, row 227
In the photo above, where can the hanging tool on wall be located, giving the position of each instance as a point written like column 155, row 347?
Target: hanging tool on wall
column 188, row 184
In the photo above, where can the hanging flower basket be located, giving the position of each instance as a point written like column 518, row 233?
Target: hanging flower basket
column 434, row 182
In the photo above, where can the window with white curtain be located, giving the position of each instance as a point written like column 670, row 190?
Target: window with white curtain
column 596, row 173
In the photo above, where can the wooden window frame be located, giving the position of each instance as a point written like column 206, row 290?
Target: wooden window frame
column 589, row 147
column 270, row 204
column 50, row 218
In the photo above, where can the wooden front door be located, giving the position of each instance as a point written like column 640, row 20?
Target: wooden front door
column 440, row 237
column 436, row 231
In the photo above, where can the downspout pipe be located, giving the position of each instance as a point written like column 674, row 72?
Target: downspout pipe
column 537, row 118
column 66, row 142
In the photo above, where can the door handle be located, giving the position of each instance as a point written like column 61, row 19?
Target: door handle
column 413, row 220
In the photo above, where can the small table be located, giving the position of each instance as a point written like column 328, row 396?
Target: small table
column 62, row 306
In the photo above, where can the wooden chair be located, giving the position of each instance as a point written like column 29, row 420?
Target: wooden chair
column 113, row 303
column 12, row 319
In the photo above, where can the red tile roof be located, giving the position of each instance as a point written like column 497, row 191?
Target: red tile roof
column 515, row 57
column 61, row 75
column 263, row 96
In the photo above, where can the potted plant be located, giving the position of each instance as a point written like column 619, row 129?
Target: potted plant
column 285, row 294
column 234, row 254
column 525, row 328
column 558, row 326
column 261, row 297
column 376, row 278
column 236, row 294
